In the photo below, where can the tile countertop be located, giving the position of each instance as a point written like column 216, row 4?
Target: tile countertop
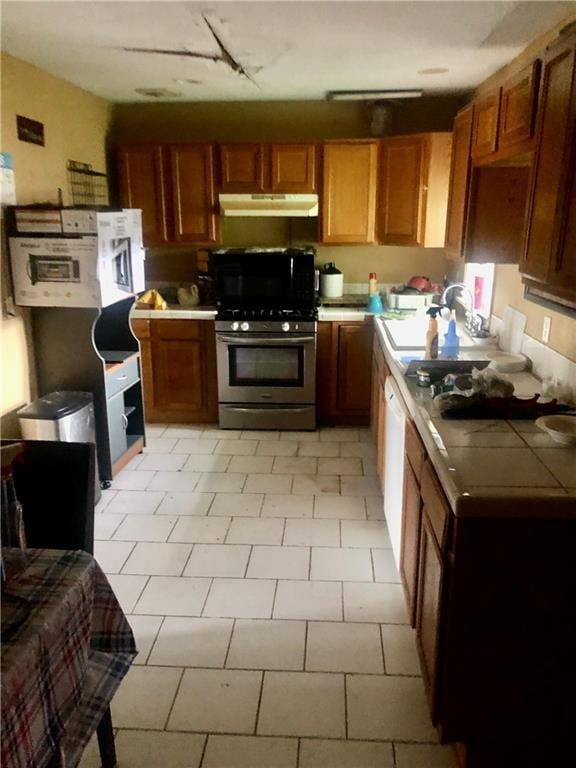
column 490, row 467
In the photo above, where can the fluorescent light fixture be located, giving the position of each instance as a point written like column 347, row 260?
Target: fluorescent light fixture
column 414, row 93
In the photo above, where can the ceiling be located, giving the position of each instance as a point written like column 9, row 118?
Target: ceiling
column 282, row 50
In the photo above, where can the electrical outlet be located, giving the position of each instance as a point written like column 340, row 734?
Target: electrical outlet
column 546, row 329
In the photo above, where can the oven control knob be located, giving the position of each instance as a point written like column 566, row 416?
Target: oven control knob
column 235, row 326
column 285, row 326
column 245, row 326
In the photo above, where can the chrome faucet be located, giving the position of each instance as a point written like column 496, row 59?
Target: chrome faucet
column 474, row 323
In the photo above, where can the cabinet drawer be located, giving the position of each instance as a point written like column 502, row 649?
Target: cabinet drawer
column 415, row 450
column 177, row 329
column 437, row 509
column 121, row 377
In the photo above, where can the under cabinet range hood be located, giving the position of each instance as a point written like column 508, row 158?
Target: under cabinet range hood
column 264, row 204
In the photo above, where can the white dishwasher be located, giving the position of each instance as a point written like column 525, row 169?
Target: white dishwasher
column 395, row 424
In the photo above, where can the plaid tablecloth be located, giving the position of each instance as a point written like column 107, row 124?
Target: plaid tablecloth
column 66, row 645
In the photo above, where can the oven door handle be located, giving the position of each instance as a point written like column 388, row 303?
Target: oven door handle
column 266, row 342
column 247, row 409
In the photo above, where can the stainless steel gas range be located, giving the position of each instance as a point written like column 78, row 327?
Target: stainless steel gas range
column 266, row 338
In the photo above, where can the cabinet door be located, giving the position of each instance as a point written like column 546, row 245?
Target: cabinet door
column 517, row 107
column 292, row 168
column 459, row 182
column 117, row 424
column 194, row 196
column 485, row 131
column 184, row 370
column 349, row 192
column 354, row 354
column 545, row 258
column 401, row 184
column 242, row 168
column 410, row 545
column 141, row 329
column 142, row 185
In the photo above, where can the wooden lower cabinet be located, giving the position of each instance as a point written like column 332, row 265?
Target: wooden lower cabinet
column 410, row 545
column 343, row 372
column 178, row 370
column 380, row 371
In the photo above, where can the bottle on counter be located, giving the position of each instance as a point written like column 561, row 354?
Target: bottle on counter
column 431, row 351
column 374, row 300
column 372, row 284
column 451, row 345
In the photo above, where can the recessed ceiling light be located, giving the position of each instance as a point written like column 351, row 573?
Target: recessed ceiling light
column 158, row 93
column 433, row 71
column 373, row 95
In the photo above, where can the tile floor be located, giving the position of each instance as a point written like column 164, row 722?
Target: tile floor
column 256, row 571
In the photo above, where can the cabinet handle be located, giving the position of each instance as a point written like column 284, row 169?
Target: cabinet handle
column 124, row 422
column 123, row 377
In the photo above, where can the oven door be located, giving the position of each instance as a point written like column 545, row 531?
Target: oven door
column 275, row 368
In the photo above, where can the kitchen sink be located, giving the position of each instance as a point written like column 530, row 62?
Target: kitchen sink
column 410, row 334
column 440, row 368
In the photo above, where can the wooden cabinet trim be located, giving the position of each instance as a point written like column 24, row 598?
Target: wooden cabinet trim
column 304, row 180
column 459, row 182
column 485, row 124
column 132, row 188
column 415, row 450
column 252, row 166
column 410, row 539
column 438, row 509
column 199, row 206
column 518, row 107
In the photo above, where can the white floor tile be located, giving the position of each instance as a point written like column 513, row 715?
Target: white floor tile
column 361, row 486
column 302, row 704
column 221, row 434
column 173, row 596
column 424, row 756
column 135, row 462
column 365, row 533
column 236, row 447
column 287, row 505
column 131, row 480
column 375, row 602
column 316, row 484
column 369, row 467
column 375, row 508
column 160, row 444
column 262, row 644
column 135, row 503
column 257, row 464
column 385, row 566
column 319, row 449
column 154, row 430
column 184, row 430
column 237, row 505
column 254, row 530
column 216, row 700
column 145, row 629
column 207, row 530
column 276, row 448
column 145, row 528
column 151, row 749
column 317, row 753
column 240, row 598
column 290, row 465
column 127, row 589
column 106, row 497
column 358, row 450
column 320, row 600
column 339, row 467
column 185, row 504
column 192, row 642
column 111, row 555
column 105, row 525
column 268, row 484
column 312, row 533
column 279, row 563
column 170, row 462
column 340, row 647
column 400, row 654
column 221, row 482
column 195, row 445
column 340, row 507
column 250, row 752
column 208, row 462
column 218, row 560
column 158, row 559
column 388, row 708
column 295, row 436
column 260, row 434
column 335, row 564
column 174, row 481
column 339, row 435
column 145, row 696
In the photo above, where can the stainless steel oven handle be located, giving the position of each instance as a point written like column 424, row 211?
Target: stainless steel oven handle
column 290, row 409
column 265, row 342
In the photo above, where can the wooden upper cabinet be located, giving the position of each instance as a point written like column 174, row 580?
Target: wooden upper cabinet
column 485, row 125
column 459, row 182
column 242, row 168
column 413, row 189
column 142, row 185
column 517, row 107
column 349, row 192
column 293, row 168
column 255, row 168
column 193, row 193
column 549, row 254
column 403, row 169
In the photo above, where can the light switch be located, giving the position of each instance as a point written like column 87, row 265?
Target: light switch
column 546, row 329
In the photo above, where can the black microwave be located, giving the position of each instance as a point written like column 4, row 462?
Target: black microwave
column 256, row 278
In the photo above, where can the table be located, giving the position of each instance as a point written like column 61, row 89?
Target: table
column 66, row 645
